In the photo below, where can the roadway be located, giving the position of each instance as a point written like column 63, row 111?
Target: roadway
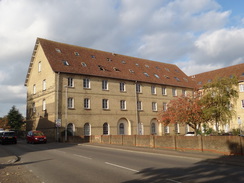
column 62, row 163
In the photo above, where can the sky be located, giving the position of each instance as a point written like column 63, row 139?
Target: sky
column 196, row 35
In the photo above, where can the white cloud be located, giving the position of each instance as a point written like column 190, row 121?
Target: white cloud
column 189, row 33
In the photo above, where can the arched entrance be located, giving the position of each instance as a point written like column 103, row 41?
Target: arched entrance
column 87, row 129
column 70, row 129
column 124, row 127
column 155, row 127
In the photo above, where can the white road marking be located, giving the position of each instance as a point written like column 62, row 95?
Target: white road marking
column 121, row 167
column 82, row 156
column 173, row 180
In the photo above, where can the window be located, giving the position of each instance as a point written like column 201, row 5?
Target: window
column 105, row 129
column 164, row 106
column 166, row 129
column 154, row 106
column 177, row 128
column 58, row 50
column 44, row 85
column 44, row 105
column 153, row 129
column 70, row 103
column 183, row 92
column 164, row 91
column 87, row 129
column 157, row 76
column 123, row 105
column 70, row 82
column 122, row 87
column 105, row 104
column 242, row 104
column 83, row 64
column 153, row 90
column 174, row 92
column 139, row 105
column 104, row 85
column 121, row 129
column 76, row 53
column 146, row 74
column 65, row 62
column 87, row 103
column 39, row 66
column 34, row 89
column 138, row 88
column 86, row 83
column 242, row 88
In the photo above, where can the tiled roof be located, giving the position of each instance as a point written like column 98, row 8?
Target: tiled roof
column 235, row 70
column 72, row 59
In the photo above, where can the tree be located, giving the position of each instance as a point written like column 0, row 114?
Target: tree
column 15, row 119
column 217, row 98
column 184, row 110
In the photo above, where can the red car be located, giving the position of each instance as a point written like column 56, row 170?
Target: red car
column 36, row 137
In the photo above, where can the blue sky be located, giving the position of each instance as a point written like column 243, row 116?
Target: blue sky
column 196, row 35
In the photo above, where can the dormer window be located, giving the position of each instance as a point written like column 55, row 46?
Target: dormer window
column 167, row 77
column 123, row 62
column 93, row 56
column 131, row 71
column 101, row 68
column 109, row 59
column 157, row 76
column 146, row 74
column 116, row 69
column 166, row 69
column 76, row 53
column 83, row 64
column 137, row 64
column 58, row 50
column 65, row 62
column 147, row 66
column 177, row 79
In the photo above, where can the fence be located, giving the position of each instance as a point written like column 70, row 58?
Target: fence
column 228, row 145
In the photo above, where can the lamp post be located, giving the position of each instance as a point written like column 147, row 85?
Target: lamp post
column 66, row 108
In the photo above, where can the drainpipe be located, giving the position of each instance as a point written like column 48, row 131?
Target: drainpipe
column 57, row 107
column 137, row 113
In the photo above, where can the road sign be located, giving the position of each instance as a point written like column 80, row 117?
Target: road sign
column 58, row 123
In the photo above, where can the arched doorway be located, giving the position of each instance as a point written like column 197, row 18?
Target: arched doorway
column 155, row 127
column 124, row 127
column 70, row 129
column 87, row 129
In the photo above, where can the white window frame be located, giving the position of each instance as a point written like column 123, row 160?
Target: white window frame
column 44, row 105
column 164, row 106
column 39, row 66
column 70, row 103
column 138, row 88
column 86, row 83
column 70, row 82
column 105, row 104
column 184, row 92
column 104, row 84
column 153, row 90
column 106, row 128
column 87, row 103
column 242, row 104
column 139, row 106
column 164, row 91
column 177, row 128
column 154, row 106
column 241, row 86
column 122, row 87
column 122, row 105
column 34, row 89
column 174, row 92
column 166, row 129
column 44, row 85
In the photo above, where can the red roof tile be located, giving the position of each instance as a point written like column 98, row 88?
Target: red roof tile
column 235, row 70
column 86, row 61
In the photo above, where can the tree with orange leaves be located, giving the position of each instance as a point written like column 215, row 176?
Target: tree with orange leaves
column 184, row 110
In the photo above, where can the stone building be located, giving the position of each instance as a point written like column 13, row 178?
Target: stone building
column 92, row 92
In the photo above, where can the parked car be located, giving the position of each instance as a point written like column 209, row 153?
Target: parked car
column 8, row 137
column 190, row 134
column 36, row 137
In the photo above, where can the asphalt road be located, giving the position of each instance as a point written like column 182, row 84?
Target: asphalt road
column 62, row 163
